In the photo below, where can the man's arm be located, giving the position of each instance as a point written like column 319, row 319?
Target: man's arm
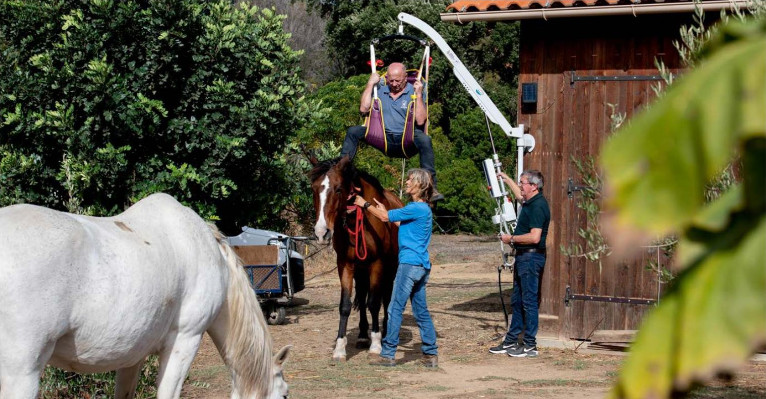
column 531, row 238
column 420, row 108
column 365, row 103
column 512, row 184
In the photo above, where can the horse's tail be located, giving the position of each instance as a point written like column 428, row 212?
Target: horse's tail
column 248, row 344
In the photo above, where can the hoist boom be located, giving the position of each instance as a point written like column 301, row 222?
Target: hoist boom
column 465, row 77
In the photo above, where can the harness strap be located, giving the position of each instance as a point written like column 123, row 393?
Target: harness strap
column 357, row 231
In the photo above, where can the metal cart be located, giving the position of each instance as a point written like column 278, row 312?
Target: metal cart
column 274, row 267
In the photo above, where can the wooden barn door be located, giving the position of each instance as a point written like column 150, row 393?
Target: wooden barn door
column 601, row 296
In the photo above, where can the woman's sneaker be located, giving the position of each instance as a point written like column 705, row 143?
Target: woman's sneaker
column 523, row 351
column 504, row 348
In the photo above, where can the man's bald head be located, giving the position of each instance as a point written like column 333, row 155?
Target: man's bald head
column 396, row 77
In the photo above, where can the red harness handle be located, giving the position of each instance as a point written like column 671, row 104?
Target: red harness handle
column 358, row 230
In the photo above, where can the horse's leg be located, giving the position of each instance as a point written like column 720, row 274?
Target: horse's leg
column 175, row 359
column 386, row 287
column 126, row 381
column 362, row 286
column 22, row 364
column 346, row 273
column 375, row 281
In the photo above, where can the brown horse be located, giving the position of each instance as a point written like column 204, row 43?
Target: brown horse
column 371, row 260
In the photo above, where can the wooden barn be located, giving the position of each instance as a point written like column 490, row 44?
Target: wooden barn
column 581, row 62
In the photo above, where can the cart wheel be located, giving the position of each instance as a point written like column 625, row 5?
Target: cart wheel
column 277, row 315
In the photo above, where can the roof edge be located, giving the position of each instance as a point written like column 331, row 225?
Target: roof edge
column 591, row 11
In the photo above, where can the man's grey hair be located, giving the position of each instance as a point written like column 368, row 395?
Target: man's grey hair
column 534, row 177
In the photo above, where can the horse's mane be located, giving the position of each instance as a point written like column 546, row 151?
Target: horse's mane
column 351, row 173
column 248, row 343
column 322, row 167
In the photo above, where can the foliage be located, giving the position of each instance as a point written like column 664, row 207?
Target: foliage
column 466, row 198
column 59, row 384
column 672, row 151
column 457, row 126
column 306, row 29
column 596, row 247
column 105, row 102
column 492, row 47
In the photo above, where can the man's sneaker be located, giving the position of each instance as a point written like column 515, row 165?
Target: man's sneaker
column 523, row 351
column 503, row 347
column 437, row 196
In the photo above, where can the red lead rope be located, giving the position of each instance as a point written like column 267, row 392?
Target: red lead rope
column 358, row 231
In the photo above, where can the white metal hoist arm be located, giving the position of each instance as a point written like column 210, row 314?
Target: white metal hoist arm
column 465, row 77
column 506, row 215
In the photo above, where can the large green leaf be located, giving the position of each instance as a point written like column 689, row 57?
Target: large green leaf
column 656, row 170
column 658, row 166
column 709, row 322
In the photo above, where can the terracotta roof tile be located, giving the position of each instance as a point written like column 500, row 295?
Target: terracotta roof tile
column 496, row 5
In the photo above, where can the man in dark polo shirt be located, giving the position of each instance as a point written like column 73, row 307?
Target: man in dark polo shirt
column 529, row 241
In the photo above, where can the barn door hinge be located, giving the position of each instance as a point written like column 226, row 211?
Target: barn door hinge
column 569, row 297
column 571, row 188
column 615, row 78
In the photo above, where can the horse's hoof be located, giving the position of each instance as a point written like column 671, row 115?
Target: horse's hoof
column 375, row 346
column 362, row 343
column 339, row 358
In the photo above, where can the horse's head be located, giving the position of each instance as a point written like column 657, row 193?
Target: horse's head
column 279, row 388
column 330, row 183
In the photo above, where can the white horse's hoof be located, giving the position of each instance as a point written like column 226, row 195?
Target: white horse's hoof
column 339, row 354
column 375, row 345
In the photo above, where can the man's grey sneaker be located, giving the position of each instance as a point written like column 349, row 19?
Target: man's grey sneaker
column 523, row 351
column 503, row 347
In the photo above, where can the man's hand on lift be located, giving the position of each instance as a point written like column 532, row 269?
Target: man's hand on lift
column 418, row 85
column 373, row 80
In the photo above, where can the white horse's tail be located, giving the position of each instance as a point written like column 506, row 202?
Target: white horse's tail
column 248, row 345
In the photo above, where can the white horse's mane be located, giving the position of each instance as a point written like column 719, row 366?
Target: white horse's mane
column 248, row 336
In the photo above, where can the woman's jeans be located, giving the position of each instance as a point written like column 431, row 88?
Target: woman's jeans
column 524, row 298
column 410, row 283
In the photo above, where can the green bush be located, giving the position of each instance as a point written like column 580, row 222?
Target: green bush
column 105, row 102
column 59, row 384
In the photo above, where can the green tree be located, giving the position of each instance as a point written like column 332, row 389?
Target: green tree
column 457, row 126
column 104, row 102
column 714, row 315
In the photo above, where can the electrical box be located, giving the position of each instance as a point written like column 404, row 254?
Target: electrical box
column 529, row 93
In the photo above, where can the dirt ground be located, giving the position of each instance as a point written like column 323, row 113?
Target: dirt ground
column 464, row 303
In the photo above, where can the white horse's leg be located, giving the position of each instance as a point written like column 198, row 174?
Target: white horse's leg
column 339, row 353
column 175, row 361
column 19, row 385
column 375, row 345
column 126, row 381
column 21, row 369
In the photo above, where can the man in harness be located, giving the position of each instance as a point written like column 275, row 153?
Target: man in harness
column 395, row 97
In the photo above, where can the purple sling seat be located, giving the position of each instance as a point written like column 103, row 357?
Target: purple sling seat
column 375, row 135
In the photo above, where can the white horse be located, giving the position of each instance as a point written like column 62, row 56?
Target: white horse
column 91, row 294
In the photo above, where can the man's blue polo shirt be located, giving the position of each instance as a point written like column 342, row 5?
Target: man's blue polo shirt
column 394, row 110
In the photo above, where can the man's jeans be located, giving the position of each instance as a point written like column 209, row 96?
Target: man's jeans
column 355, row 134
column 524, row 298
column 410, row 283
